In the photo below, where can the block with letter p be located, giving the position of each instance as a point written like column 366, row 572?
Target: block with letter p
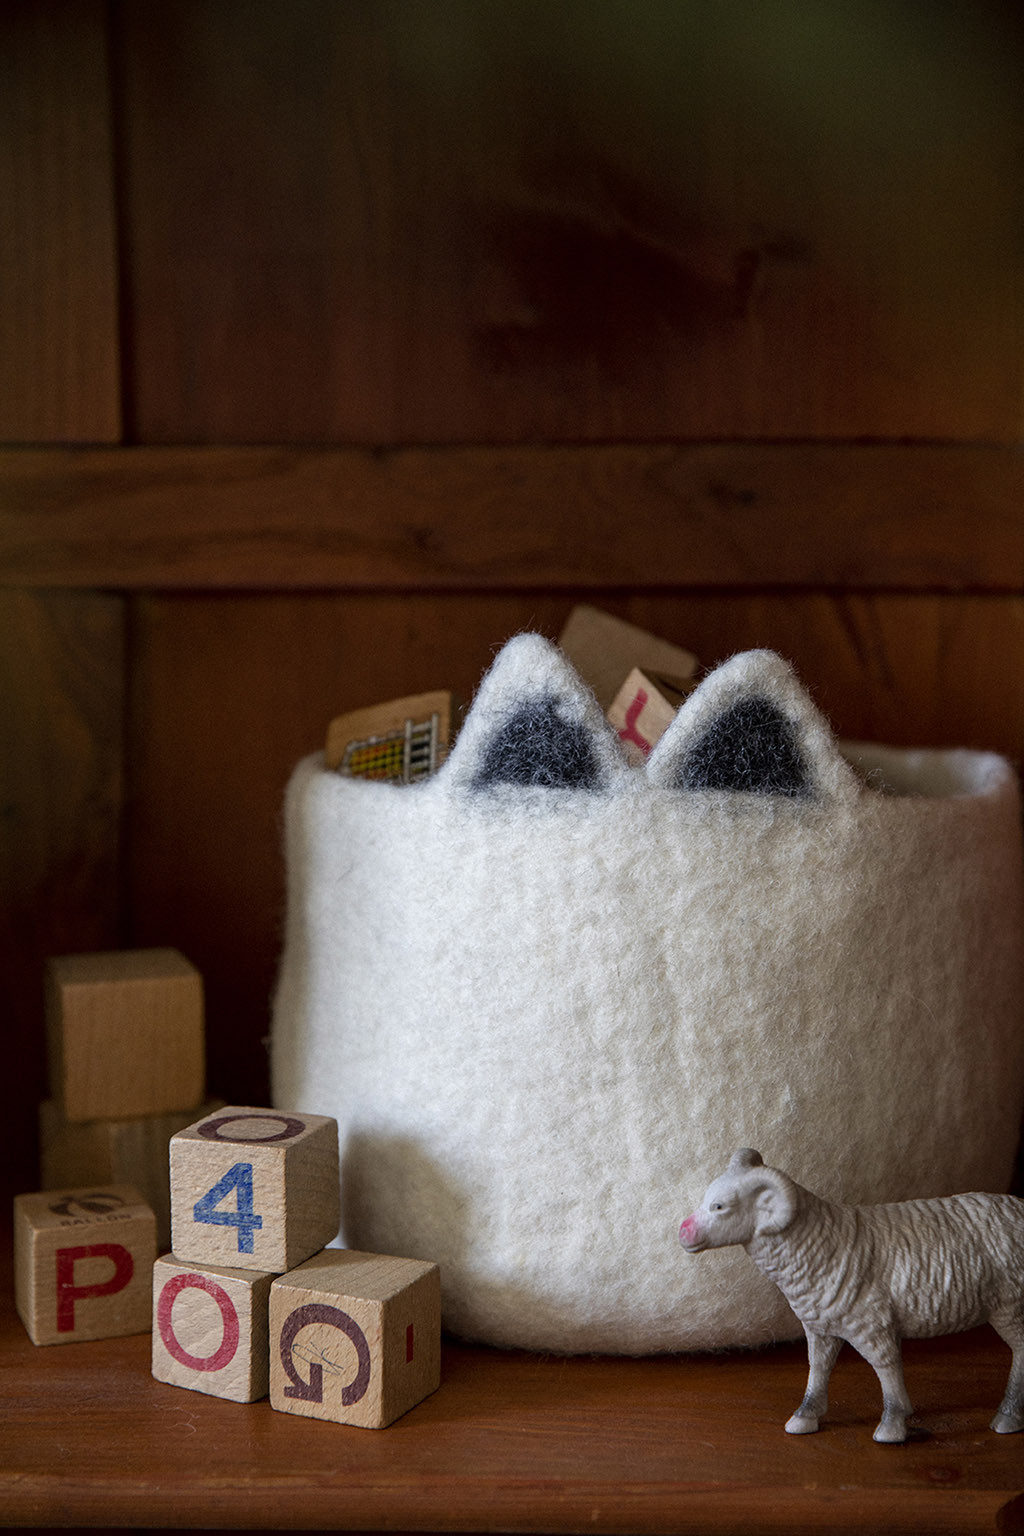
column 254, row 1188
column 83, row 1261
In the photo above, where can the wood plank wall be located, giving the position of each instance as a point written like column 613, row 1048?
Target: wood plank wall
column 338, row 341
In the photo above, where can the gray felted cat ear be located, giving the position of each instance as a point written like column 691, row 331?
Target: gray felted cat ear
column 533, row 724
column 751, row 729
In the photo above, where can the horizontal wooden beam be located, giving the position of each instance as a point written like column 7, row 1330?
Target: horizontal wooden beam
column 935, row 518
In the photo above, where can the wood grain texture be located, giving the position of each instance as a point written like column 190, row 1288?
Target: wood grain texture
column 372, row 1364
column 115, row 1152
column 514, row 1441
column 229, row 693
column 393, row 223
column 254, row 1188
column 633, row 518
column 210, row 1329
column 125, row 1031
column 604, row 649
column 59, row 349
column 61, row 784
column 83, row 1263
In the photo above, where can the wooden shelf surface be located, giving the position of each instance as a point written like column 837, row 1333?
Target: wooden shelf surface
column 512, row 1442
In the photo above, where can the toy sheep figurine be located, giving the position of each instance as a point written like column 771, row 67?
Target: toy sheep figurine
column 872, row 1275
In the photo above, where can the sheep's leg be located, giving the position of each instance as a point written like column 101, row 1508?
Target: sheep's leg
column 886, row 1357
column 1010, row 1418
column 822, row 1349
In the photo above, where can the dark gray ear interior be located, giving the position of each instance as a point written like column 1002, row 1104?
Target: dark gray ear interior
column 751, row 747
column 537, row 745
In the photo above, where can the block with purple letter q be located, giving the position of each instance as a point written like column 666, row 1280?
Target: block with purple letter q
column 83, row 1261
column 210, row 1329
column 254, row 1188
column 355, row 1337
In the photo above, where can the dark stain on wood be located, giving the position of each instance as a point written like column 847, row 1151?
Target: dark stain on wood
column 596, row 268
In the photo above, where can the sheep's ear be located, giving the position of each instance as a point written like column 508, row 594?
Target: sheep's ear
column 751, row 728
column 745, row 1157
column 533, row 723
column 776, row 1204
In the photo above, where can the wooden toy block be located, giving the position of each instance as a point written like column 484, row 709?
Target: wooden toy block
column 254, row 1188
column 604, row 649
column 355, row 1337
column 82, row 1263
column 115, row 1152
column 210, row 1329
column 644, row 707
column 125, row 1034
column 405, row 739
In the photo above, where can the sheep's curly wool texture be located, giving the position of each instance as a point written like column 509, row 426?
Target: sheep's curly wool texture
column 544, row 1016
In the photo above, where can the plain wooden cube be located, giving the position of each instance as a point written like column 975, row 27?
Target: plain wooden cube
column 254, row 1188
column 132, row 1151
column 83, row 1261
column 355, row 1337
column 125, row 1034
column 210, row 1329
column 603, row 649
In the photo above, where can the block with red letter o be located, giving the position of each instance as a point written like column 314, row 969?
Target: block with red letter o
column 83, row 1260
column 210, row 1328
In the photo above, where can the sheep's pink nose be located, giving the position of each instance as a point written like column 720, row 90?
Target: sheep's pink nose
column 688, row 1231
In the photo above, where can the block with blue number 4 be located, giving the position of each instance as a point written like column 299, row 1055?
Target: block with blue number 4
column 254, row 1188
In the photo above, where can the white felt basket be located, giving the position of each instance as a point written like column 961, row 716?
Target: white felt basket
column 547, row 994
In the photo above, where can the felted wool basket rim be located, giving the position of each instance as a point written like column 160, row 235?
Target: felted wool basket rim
column 544, row 1012
column 841, row 768
column 920, row 774
column 927, row 773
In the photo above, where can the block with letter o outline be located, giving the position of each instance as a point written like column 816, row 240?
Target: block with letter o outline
column 291, row 1126
column 210, row 1329
column 228, row 1347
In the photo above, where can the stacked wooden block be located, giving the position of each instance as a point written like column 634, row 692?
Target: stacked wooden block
column 82, row 1263
column 125, row 1036
column 250, row 1300
column 638, row 679
column 126, row 1051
